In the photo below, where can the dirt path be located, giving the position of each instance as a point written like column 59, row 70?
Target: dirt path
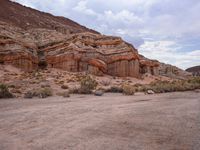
column 111, row 122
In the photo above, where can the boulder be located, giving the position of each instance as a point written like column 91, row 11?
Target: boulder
column 98, row 93
column 150, row 92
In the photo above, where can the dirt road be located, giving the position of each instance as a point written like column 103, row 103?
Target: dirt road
column 111, row 122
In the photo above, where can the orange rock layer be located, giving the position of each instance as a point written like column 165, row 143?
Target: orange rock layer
column 93, row 53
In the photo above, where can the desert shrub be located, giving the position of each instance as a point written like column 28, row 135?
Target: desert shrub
column 195, row 80
column 64, row 86
column 41, row 93
column 29, row 94
column 61, row 82
column 45, row 85
column 114, row 89
column 64, row 94
column 45, row 92
column 87, row 85
column 105, row 82
column 137, row 85
column 74, row 90
column 128, row 89
column 178, row 85
column 4, row 92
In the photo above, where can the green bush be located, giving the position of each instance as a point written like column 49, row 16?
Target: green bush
column 4, row 92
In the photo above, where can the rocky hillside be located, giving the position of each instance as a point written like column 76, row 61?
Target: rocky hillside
column 194, row 70
column 30, row 39
column 28, row 18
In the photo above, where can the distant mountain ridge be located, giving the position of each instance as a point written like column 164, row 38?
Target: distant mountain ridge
column 194, row 70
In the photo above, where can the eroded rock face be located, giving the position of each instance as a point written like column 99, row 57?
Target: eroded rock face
column 94, row 53
column 14, row 51
column 28, row 18
column 172, row 71
column 149, row 66
column 41, row 40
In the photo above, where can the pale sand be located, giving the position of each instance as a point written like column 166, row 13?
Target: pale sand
column 111, row 122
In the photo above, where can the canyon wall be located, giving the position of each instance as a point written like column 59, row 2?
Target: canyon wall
column 41, row 40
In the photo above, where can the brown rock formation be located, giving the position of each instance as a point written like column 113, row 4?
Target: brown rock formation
column 40, row 40
column 194, row 70
column 172, row 71
column 17, row 53
column 28, row 18
column 94, row 53
column 149, row 66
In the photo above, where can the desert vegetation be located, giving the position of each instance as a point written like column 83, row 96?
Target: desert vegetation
column 158, row 86
column 128, row 89
column 32, row 87
column 4, row 92
column 87, row 84
column 41, row 93
column 173, row 86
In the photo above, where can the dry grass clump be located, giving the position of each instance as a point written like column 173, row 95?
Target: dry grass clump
column 87, row 85
column 174, row 86
column 4, row 92
column 128, row 89
column 74, row 90
column 114, row 89
column 45, row 92
column 41, row 93
column 64, row 86
column 64, row 94
column 105, row 82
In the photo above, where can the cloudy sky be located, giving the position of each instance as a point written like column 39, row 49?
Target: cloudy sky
column 166, row 30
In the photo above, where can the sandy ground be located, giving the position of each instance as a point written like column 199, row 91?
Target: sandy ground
column 111, row 122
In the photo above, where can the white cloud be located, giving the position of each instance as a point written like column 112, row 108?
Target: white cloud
column 169, row 52
column 82, row 8
column 123, row 16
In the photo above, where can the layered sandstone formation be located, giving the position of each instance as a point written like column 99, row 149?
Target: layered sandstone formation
column 149, row 66
column 94, row 53
column 172, row 71
column 40, row 40
column 14, row 51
